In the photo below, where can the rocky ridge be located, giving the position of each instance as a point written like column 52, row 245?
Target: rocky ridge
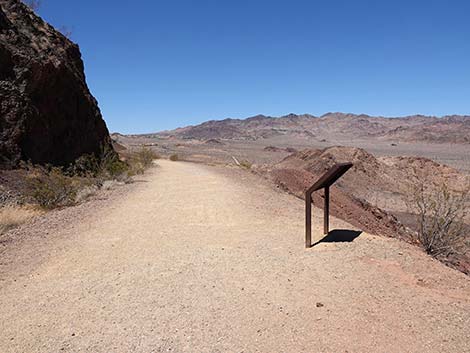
column 448, row 129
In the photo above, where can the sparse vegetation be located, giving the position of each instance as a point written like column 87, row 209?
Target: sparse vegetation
column 104, row 167
column 246, row 164
column 140, row 160
column 111, row 167
column 174, row 157
column 440, row 216
column 13, row 216
column 146, row 156
column 51, row 188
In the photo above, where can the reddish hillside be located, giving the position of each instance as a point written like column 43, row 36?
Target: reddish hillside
column 371, row 194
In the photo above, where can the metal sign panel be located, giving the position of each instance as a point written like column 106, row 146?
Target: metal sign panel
column 330, row 177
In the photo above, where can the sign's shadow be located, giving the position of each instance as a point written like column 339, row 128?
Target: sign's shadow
column 339, row 236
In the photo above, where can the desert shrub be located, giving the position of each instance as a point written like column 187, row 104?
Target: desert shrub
column 146, row 156
column 110, row 166
column 440, row 217
column 103, row 167
column 174, row 157
column 140, row 160
column 245, row 164
column 114, row 169
column 85, row 166
column 135, row 167
column 51, row 188
column 13, row 216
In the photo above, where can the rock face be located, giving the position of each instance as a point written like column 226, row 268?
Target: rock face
column 47, row 113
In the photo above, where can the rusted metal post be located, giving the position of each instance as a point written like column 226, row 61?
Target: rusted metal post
column 326, row 214
column 325, row 181
column 308, row 220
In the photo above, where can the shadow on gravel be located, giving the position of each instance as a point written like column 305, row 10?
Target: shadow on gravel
column 339, row 236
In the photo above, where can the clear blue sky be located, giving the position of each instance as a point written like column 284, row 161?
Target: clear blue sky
column 155, row 64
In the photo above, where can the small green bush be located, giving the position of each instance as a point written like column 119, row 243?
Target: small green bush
column 105, row 166
column 85, row 166
column 174, row 157
column 114, row 169
column 110, row 166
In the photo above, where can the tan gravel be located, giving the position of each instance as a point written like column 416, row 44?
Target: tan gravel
column 205, row 259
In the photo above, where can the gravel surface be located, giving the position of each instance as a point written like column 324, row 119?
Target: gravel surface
column 209, row 259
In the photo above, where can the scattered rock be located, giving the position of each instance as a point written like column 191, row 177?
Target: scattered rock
column 272, row 149
column 213, row 142
column 290, row 150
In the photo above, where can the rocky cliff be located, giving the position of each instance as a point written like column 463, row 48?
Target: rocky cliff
column 47, row 113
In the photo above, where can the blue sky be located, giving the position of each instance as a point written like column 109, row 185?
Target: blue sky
column 156, row 65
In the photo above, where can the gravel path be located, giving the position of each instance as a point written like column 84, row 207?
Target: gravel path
column 206, row 259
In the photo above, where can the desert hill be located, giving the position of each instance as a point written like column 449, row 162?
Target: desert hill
column 372, row 194
column 449, row 129
column 373, row 177
column 47, row 113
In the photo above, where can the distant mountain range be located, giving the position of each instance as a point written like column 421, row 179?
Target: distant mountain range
column 447, row 129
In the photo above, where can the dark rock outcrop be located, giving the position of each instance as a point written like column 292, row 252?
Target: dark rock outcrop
column 47, row 113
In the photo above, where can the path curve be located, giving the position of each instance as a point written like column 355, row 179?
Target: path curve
column 205, row 259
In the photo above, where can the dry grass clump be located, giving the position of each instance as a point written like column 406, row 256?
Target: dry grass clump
column 13, row 216
column 174, row 157
column 246, row 164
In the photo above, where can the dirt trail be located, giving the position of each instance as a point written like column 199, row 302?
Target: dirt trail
column 203, row 259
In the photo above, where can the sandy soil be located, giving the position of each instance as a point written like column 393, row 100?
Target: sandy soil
column 209, row 259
